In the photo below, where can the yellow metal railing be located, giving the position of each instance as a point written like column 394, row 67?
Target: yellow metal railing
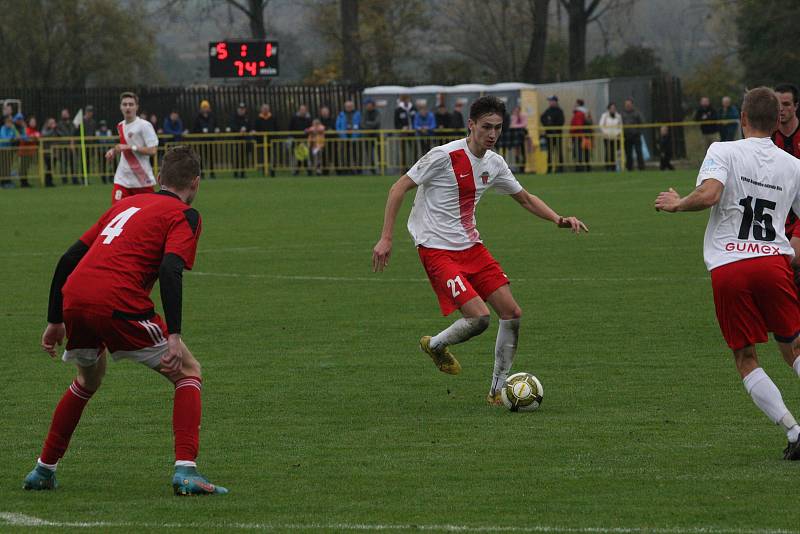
column 59, row 159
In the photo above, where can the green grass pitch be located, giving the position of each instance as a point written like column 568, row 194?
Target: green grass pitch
column 320, row 413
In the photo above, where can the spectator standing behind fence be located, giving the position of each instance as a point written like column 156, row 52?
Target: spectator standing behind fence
column 28, row 145
column 105, row 137
column 295, row 144
column 552, row 119
column 633, row 135
column 442, row 117
column 65, row 128
column 48, row 130
column 316, row 144
column 7, row 136
column 243, row 148
column 665, row 149
column 518, row 130
column 206, row 123
column 265, row 122
column 173, row 126
column 347, row 124
column 727, row 132
column 611, row 128
column 706, row 113
column 424, row 126
column 153, row 119
column 328, row 156
column 371, row 121
column 581, row 141
column 89, row 123
column 404, row 115
column 457, row 116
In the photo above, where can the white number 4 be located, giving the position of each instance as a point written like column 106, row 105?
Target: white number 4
column 452, row 285
column 114, row 228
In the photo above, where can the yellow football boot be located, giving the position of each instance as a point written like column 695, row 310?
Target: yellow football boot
column 494, row 399
column 443, row 359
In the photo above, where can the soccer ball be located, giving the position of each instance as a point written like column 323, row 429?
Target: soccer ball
column 522, row 392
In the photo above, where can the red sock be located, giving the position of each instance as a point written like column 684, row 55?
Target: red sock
column 186, row 418
column 65, row 419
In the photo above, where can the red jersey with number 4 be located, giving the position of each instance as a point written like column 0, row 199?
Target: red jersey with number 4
column 126, row 247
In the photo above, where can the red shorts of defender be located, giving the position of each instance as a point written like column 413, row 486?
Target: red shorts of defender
column 88, row 330
column 119, row 192
column 754, row 297
column 458, row 276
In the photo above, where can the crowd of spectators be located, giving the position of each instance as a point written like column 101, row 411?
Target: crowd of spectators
column 342, row 142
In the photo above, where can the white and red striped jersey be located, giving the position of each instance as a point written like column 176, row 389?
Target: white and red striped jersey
column 139, row 132
column 451, row 181
column 761, row 183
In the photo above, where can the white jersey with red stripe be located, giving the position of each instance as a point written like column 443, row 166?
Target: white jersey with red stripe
column 139, row 132
column 451, row 181
column 761, row 183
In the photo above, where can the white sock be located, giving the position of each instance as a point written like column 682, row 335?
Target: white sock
column 767, row 397
column 51, row 467
column 460, row 331
column 796, row 365
column 504, row 350
column 185, row 463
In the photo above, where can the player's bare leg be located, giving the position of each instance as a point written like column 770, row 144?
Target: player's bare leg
column 503, row 303
column 767, row 396
column 186, row 414
column 474, row 321
column 66, row 417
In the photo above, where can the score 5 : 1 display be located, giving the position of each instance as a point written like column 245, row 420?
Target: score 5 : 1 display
column 243, row 59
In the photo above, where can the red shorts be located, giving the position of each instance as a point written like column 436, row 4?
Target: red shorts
column 754, row 297
column 119, row 192
column 118, row 332
column 458, row 276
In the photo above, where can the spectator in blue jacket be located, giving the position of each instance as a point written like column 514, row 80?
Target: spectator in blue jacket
column 8, row 133
column 424, row 125
column 727, row 132
column 173, row 125
column 348, row 150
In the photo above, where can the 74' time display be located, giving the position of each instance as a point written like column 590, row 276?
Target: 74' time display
column 243, row 59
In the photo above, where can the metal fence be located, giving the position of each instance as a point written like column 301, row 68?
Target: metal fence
column 60, row 160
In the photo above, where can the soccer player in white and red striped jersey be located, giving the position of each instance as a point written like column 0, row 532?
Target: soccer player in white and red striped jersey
column 750, row 186
column 137, row 143
column 450, row 180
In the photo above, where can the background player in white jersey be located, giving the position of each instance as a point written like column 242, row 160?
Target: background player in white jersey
column 750, row 185
column 137, row 143
column 451, row 179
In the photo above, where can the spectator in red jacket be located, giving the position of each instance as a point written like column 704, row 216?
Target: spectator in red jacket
column 581, row 144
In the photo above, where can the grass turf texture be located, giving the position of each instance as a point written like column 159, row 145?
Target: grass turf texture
column 320, row 409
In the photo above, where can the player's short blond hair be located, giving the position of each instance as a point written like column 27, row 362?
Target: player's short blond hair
column 762, row 108
column 128, row 94
column 180, row 166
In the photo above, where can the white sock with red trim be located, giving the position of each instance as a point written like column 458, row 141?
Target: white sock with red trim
column 460, row 331
column 504, row 350
column 767, row 397
column 796, row 365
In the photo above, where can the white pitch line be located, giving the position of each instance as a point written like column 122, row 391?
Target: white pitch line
column 23, row 520
column 380, row 278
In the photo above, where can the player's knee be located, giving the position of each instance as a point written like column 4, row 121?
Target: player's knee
column 479, row 324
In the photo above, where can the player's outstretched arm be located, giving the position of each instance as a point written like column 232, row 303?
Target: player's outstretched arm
column 54, row 332
column 538, row 207
column 703, row 197
column 383, row 248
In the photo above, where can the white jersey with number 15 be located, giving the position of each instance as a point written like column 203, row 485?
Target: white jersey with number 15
column 762, row 183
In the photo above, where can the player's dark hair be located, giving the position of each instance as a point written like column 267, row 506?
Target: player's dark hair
column 180, row 166
column 486, row 105
column 788, row 88
column 762, row 108
column 128, row 94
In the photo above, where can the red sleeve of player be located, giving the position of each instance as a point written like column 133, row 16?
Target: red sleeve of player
column 91, row 234
column 183, row 235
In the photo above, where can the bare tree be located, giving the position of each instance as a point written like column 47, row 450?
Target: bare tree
column 351, row 43
column 254, row 10
column 580, row 16
column 505, row 54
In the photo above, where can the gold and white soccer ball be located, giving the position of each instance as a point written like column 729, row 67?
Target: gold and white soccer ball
column 522, row 392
